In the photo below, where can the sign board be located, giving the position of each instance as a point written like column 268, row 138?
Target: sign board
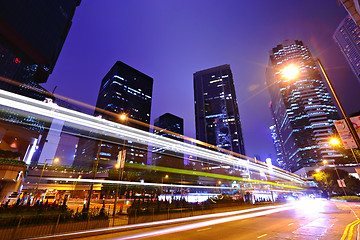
column 345, row 135
column 356, row 123
column 341, row 183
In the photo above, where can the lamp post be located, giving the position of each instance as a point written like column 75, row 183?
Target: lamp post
column 79, row 177
column 162, row 182
column 94, row 176
column 122, row 117
column 55, row 160
column 347, row 120
column 120, row 165
column 334, row 142
column 117, row 166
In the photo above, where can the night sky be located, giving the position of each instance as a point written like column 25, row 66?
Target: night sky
column 170, row 40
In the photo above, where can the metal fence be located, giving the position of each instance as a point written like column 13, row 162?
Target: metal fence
column 35, row 226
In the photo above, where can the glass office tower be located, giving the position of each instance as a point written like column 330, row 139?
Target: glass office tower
column 123, row 90
column 347, row 36
column 160, row 156
column 216, row 109
column 302, row 108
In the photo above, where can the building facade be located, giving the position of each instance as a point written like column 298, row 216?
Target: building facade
column 302, row 108
column 216, row 110
column 353, row 8
column 32, row 34
column 35, row 32
column 166, row 125
column 347, row 36
column 124, row 90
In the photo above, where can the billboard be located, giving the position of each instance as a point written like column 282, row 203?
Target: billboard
column 344, row 131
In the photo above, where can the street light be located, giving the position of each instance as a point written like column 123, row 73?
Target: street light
column 162, row 182
column 347, row 120
column 55, row 160
column 123, row 117
column 117, row 166
column 336, row 142
column 290, row 72
column 120, row 165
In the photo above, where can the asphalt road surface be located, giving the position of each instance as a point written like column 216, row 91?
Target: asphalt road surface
column 310, row 219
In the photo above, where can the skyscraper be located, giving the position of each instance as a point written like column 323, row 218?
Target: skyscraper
column 353, row 8
column 35, row 31
column 216, row 109
column 123, row 90
column 32, row 34
column 165, row 158
column 347, row 36
column 302, row 108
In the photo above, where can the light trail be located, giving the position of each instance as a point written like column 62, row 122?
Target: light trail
column 159, row 223
column 147, row 184
column 82, row 121
column 203, row 224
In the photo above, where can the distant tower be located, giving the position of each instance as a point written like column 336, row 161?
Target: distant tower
column 160, row 156
column 302, row 108
column 123, row 90
column 347, row 36
column 216, row 109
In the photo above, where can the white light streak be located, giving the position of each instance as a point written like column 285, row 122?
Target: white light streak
column 119, row 131
column 172, row 221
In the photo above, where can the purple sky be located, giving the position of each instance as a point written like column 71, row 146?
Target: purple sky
column 170, row 40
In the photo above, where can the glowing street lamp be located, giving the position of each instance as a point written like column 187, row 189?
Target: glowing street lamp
column 162, row 182
column 334, row 141
column 117, row 166
column 123, row 117
column 290, row 72
column 317, row 170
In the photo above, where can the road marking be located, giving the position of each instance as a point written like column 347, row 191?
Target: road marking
column 290, row 224
column 262, row 236
column 204, row 229
column 351, row 226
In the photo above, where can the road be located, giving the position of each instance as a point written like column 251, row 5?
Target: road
column 308, row 220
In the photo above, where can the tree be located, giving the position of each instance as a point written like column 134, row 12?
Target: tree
column 327, row 181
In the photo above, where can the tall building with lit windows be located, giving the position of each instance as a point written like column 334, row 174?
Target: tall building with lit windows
column 302, row 108
column 123, row 90
column 170, row 126
column 347, row 36
column 216, row 109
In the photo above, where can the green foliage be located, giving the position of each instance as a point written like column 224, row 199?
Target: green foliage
column 9, row 154
column 12, row 162
column 348, row 198
column 327, row 181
